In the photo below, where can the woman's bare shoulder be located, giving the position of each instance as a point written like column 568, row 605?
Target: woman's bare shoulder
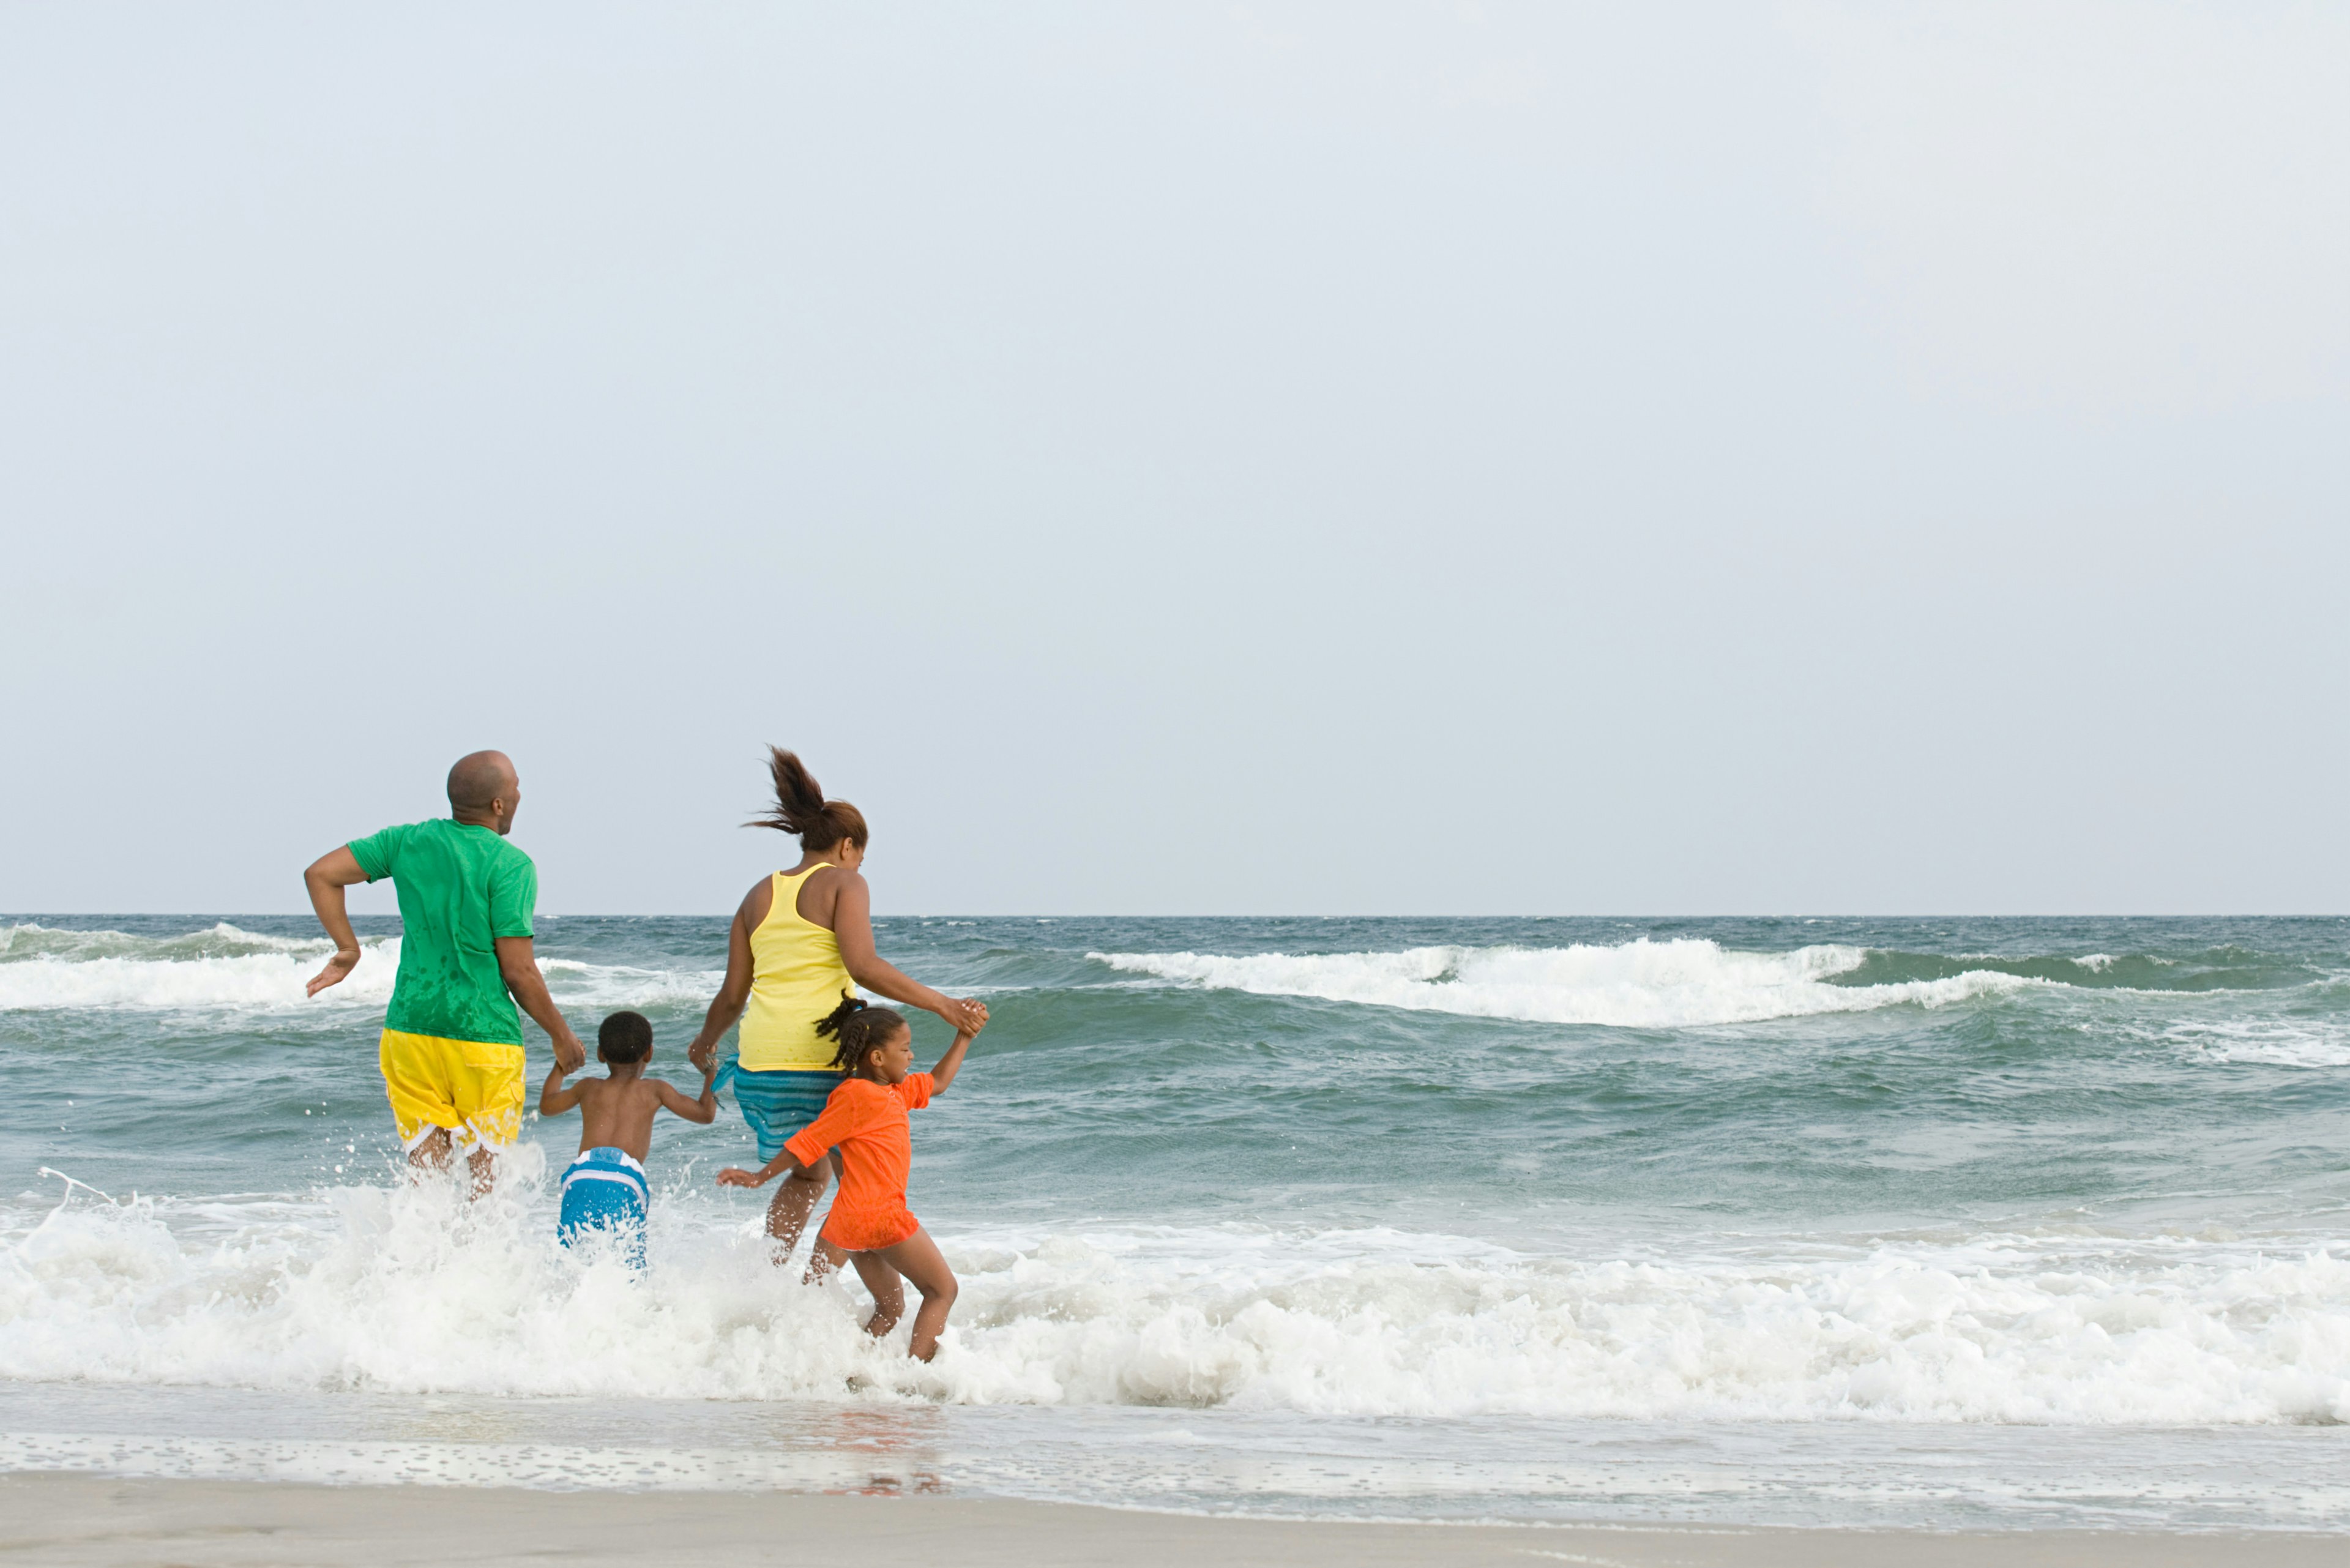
column 757, row 902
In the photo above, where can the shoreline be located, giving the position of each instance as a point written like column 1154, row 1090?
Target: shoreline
column 69, row 1520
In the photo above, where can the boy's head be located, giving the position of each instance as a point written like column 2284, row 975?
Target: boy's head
column 626, row 1037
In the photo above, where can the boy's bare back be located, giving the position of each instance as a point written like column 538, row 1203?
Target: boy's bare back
column 617, row 1112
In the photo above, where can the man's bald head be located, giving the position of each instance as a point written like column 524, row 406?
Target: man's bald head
column 484, row 788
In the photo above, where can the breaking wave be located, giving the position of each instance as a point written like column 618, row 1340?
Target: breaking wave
column 1642, row 984
column 225, row 968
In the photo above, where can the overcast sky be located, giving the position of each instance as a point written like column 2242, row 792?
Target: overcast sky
column 1186, row 459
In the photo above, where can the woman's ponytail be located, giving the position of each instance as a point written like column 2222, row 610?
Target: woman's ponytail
column 801, row 809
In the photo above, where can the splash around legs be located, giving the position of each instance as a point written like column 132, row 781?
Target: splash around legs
column 885, row 1271
column 431, row 1154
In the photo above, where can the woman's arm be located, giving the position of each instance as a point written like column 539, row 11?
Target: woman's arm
column 734, row 991
column 951, row 1064
column 852, row 927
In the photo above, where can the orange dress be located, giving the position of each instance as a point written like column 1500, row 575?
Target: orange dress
column 868, row 1122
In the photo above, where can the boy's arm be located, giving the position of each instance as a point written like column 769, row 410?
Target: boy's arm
column 952, row 1062
column 555, row 1099
column 704, row 1109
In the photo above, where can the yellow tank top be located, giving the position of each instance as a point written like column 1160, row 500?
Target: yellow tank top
column 797, row 977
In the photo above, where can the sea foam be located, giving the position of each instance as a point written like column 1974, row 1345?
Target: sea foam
column 225, row 968
column 1642, row 984
column 408, row 1290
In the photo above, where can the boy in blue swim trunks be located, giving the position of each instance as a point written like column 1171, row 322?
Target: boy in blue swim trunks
column 604, row 1189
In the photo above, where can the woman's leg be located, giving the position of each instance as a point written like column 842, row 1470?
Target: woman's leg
column 795, row 1200
column 919, row 1259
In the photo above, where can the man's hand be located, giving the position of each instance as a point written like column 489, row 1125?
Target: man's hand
column 570, row 1055
column 735, row 1176
column 344, row 961
column 326, row 877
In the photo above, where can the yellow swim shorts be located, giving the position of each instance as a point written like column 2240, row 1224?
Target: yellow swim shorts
column 471, row 1087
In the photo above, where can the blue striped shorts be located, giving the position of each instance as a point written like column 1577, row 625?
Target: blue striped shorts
column 777, row 1103
column 604, row 1190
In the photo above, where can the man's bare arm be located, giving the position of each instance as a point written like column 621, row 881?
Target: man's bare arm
column 520, row 968
column 328, row 876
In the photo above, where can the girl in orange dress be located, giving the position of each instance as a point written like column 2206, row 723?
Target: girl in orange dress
column 865, row 1118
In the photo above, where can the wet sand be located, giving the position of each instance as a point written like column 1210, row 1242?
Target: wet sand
column 93, row 1520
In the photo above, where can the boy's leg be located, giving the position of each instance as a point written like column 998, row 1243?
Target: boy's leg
column 919, row 1259
column 888, row 1292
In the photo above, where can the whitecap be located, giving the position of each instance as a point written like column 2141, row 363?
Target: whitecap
column 1641, row 983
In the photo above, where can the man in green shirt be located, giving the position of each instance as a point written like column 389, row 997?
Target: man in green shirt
column 452, row 1047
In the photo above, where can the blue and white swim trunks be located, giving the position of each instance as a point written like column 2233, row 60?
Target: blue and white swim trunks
column 604, row 1190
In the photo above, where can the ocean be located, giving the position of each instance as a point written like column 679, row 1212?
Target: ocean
column 1945, row 1223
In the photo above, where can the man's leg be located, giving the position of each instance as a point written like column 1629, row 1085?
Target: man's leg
column 919, row 1259
column 447, row 1092
column 431, row 1153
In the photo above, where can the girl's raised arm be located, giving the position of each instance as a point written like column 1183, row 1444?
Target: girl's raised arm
column 952, row 1062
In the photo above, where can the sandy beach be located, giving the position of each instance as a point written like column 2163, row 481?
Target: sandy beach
column 78, row 1520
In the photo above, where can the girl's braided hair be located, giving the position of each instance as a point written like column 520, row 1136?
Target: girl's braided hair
column 857, row 1026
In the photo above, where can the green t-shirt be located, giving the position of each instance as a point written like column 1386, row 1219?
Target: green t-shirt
column 461, row 887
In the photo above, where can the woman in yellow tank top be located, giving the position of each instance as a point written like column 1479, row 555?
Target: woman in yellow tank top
column 801, row 939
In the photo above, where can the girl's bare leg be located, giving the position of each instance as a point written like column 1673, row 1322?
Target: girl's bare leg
column 888, row 1292
column 823, row 1261
column 919, row 1259
column 795, row 1200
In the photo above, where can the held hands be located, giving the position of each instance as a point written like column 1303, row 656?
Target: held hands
column 735, row 1176
column 569, row 1055
column 344, row 961
column 967, row 1015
